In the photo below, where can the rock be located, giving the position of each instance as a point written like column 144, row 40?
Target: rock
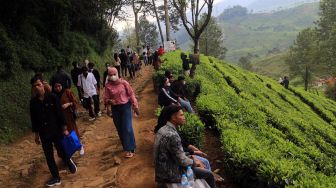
column 117, row 160
column 96, row 182
column 216, row 171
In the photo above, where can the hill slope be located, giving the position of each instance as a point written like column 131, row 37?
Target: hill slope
column 270, row 135
column 258, row 33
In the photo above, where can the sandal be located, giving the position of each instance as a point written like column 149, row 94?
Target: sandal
column 129, row 155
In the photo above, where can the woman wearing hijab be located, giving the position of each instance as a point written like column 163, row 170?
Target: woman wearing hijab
column 119, row 94
column 69, row 106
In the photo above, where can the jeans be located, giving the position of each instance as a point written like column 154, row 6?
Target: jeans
column 207, row 175
column 122, row 118
column 88, row 105
column 204, row 161
column 47, row 146
column 186, row 104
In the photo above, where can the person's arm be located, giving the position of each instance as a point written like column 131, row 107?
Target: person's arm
column 168, row 96
column 178, row 153
column 106, row 96
column 131, row 95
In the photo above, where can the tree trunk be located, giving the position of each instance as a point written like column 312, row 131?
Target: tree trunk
column 167, row 20
column 306, row 79
column 137, row 31
column 158, row 22
column 196, row 45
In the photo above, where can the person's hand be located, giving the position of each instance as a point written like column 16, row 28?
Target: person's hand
column 37, row 139
column 198, row 163
column 136, row 111
column 66, row 132
column 200, row 153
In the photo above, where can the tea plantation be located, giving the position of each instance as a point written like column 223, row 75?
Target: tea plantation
column 271, row 135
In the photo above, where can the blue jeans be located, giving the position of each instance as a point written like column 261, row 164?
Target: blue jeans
column 186, row 104
column 122, row 118
column 204, row 161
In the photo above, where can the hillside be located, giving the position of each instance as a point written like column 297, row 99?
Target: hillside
column 258, row 33
column 272, row 65
column 271, row 136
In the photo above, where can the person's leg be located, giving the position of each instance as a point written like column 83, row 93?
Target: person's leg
column 49, row 155
column 204, row 161
column 130, row 71
column 207, row 175
column 79, row 93
column 88, row 105
column 118, row 68
column 186, row 104
column 96, row 103
column 67, row 161
column 116, row 116
column 127, row 129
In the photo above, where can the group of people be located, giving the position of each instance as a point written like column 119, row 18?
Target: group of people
column 174, row 92
column 53, row 109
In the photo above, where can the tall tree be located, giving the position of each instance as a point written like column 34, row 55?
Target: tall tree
column 148, row 32
column 194, row 27
column 157, row 20
column 212, row 39
column 302, row 57
column 137, row 6
column 167, row 21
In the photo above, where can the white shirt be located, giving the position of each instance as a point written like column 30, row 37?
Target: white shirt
column 88, row 84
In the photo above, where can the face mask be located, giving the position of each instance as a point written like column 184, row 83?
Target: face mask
column 114, row 78
column 184, row 82
column 168, row 84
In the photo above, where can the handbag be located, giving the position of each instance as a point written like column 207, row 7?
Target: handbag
column 71, row 144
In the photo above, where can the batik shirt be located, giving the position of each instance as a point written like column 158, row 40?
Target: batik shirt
column 169, row 157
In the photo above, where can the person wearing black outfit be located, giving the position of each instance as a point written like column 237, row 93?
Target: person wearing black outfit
column 166, row 96
column 285, row 82
column 75, row 72
column 61, row 77
column 185, row 64
column 124, row 61
column 49, row 125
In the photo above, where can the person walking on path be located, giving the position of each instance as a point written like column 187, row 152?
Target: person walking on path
column 124, row 61
column 69, row 106
column 89, row 88
column 61, row 77
column 75, row 72
column 119, row 94
column 169, row 156
column 116, row 62
column 49, row 125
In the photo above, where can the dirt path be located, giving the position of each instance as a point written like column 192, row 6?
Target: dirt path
column 22, row 164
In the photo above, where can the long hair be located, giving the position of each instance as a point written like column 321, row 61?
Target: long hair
column 165, row 115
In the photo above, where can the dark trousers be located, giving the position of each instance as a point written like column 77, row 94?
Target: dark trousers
column 207, row 175
column 150, row 60
column 47, row 146
column 122, row 118
column 124, row 70
column 131, row 70
column 88, row 105
column 118, row 68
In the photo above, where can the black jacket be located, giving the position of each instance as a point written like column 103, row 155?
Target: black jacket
column 166, row 97
column 75, row 72
column 47, row 116
column 178, row 89
column 97, row 77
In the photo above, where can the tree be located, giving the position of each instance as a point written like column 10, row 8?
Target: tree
column 327, row 18
column 147, row 32
column 302, row 57
column 194, row 27
column 212, row 39
column 157, row 20
column 137, row 5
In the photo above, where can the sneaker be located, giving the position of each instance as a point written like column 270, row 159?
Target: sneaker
column 72, row 166
column 81, row 151
column 99, row 114
column 53, row 182
column 92, row 118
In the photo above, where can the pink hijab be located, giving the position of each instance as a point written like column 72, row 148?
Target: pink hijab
column 113, row 70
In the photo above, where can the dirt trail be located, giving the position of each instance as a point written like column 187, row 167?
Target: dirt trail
column 22, row 163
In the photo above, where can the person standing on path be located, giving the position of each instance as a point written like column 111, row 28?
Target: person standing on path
column 89, row 88
column 49, row 125
column 61, row 77
column 69, row 106
column 75, row 72
column 124, row 61
column 119, row 94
